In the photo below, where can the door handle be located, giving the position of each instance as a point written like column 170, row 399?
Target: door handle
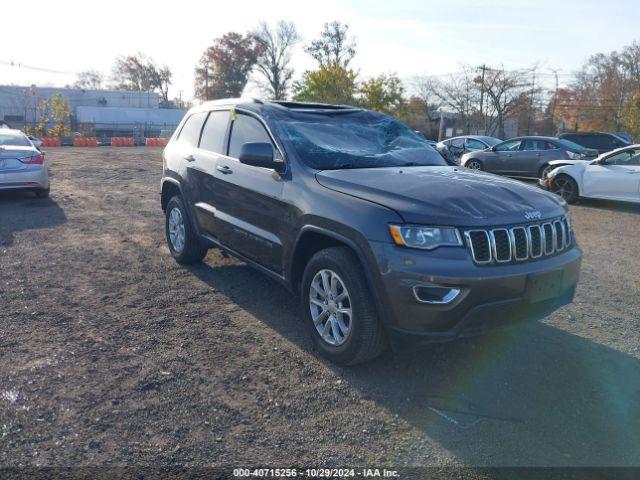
column 224, row 169
column 190, row 158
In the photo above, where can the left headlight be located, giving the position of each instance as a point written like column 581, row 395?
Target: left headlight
column 425, row 238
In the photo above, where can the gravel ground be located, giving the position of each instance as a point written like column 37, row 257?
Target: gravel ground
column 112, row 354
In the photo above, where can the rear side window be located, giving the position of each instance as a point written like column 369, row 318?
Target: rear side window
column 535, row 144
column 246, row 129
column 14, row 140
column 214, row 131
column 190, row 132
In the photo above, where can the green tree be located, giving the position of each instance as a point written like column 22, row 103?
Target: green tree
column 60, row 115
column 332, row 84
column 223, row 69
column 384, row 93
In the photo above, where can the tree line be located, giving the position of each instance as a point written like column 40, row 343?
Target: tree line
column 603, row 95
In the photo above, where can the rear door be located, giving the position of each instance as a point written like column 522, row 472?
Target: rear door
column 250, row 211
column 616, row 177
column 211, row 147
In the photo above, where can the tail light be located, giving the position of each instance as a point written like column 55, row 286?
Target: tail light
column 37, row 160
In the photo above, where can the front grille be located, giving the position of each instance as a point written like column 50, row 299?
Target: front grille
column 519, row 243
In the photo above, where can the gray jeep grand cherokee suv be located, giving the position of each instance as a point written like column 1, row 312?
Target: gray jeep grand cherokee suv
column 351, row 210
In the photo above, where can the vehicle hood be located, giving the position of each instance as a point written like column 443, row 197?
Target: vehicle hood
column 445, row 195
column 570, row 162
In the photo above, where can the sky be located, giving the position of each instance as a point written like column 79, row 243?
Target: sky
column 52, row 41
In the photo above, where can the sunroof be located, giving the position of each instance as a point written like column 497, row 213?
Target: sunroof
column 312, row 106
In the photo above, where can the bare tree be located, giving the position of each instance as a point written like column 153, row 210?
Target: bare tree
column 275, row 56
column 334, row 47
column 460, row 93
column 89, row 80
column 507, row 92
column 424, row 88
column 138, row 72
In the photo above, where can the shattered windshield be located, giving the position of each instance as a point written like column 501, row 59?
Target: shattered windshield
column 357, row 139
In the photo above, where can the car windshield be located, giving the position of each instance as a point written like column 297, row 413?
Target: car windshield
column 14, row 140
column 569, row 144
column 357, row 139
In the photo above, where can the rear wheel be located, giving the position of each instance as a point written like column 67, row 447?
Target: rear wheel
column 339, row 309
column 181, row 238
column 43, row 192
column 474, row 165
column 566, row 187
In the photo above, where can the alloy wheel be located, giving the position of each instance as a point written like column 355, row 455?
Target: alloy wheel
column 563, row 187
column 474, row 165
column 330, row 307
column 176, row 230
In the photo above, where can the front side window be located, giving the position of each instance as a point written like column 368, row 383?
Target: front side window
column 190, row 132
column 246, row 129
column 626, row 158
column 214, row 132
column 509, row 146
column 355, row 139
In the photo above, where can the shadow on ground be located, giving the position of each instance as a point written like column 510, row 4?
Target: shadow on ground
column 535, row 395
column 610, row 205
column 22, row 210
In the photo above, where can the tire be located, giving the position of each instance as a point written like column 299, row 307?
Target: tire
column 43, row 192
column 566, row 187
column 474, row 165
column 364, row 338
column 182, row 240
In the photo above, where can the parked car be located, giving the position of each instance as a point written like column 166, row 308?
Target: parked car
column 351, row 210
column 603, row 142
column 22, row 165
column 612, row 176
column 525, row 157
column 458, row 146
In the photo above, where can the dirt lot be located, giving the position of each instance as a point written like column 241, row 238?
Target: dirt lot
column 111, row 353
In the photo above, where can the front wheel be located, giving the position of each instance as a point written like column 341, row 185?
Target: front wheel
column 339, row 309
column 181, row 238
column 474, row 165
column 566, row 187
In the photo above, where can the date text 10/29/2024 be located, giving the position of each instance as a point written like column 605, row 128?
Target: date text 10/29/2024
column 315, row 472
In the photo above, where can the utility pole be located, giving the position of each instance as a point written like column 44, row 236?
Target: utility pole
column 206, row 82
column 441, row 127
column 555, row 102
column 533, row 88
column 483, row 68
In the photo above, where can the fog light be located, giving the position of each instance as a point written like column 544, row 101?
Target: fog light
column 435, row 295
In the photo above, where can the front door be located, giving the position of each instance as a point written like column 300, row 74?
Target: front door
column 249, row 205
column 502, row 160
column 616, row 176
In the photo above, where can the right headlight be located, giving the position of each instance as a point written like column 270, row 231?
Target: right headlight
column 425, row 238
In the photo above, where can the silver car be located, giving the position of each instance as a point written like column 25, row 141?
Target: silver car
column 22, row 165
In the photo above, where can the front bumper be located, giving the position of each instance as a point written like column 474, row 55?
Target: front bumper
column 491, row 297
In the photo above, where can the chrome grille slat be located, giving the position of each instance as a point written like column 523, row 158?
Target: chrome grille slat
column 519, row 243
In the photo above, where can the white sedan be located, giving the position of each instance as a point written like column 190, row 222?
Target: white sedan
column 612, row 176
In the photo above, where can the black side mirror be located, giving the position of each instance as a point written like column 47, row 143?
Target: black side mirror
column 259, row 154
